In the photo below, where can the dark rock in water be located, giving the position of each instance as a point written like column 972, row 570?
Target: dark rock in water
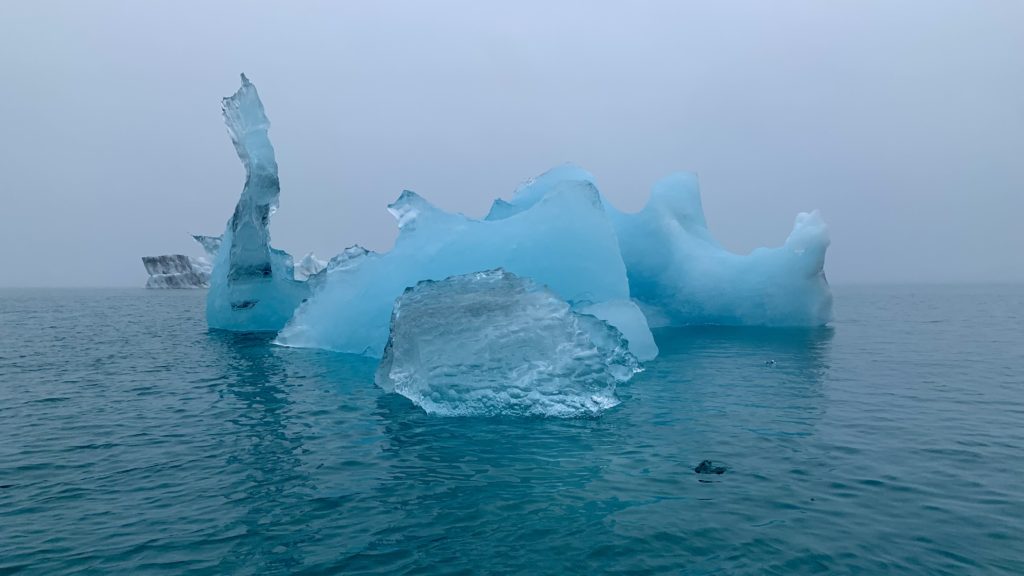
column 708, row 467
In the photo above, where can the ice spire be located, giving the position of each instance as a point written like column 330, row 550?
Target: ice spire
column 252, row 288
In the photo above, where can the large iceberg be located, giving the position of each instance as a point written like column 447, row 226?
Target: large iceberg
column 657, row 267
column 565, row 241
column 253, row 286
column 679, row 274
column 491, row 343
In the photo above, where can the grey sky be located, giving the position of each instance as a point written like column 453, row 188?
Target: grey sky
column 902, row 121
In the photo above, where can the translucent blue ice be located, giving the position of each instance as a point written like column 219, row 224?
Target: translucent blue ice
column 565, row 241
column 657, row 267
column 491, row 343
column 680, row 275
column 252, row 287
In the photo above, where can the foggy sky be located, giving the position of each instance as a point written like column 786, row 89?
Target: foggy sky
column 902, row 121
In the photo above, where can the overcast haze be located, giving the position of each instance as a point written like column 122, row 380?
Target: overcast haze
column 902, row 121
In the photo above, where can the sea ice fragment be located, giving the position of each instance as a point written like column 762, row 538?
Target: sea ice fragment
column 309, row 266
column 492, row 343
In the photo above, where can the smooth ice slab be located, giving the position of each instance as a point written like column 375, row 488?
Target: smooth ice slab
column 253, row 286
column 564, row 241
column 680, row 275
column 491, row 343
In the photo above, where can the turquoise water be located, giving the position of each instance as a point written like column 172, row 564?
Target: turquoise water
column 132, row 440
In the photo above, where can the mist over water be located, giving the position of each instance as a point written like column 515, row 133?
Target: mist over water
column 900, row 121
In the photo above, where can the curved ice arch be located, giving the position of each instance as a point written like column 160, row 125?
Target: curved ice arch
column 679, row 274
column 564, row 241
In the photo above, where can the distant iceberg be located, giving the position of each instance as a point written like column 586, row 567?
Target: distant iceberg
column 491, row 343
column 176, row 271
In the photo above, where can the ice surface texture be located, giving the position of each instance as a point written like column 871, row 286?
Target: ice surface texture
column 680, row 275
column 309, row 266
column 564, row 241
column 253, row 286
column 176, row 271
column 491, row 343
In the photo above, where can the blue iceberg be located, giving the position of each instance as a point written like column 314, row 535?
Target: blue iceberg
column 680, row 275
column 176, row 271
column 491, row 343
column 564, row 241
column 541, row 307
column 253, row 286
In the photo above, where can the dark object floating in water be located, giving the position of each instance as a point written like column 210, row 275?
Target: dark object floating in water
column 769, row 363
column 708, row 467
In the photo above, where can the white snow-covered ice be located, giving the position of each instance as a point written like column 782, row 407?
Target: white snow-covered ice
column 176, row 271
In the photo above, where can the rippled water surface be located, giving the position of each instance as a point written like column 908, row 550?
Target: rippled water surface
column 132, row 440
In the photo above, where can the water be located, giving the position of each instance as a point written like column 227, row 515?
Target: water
column 132, row 440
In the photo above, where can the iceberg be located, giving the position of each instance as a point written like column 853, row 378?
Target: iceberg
column 253, row 286
column 210, row 244
column 176, row 271
column 656, row 267
column 308, row 267
column 491, row 343
column 565, row 241
column 680, row 275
